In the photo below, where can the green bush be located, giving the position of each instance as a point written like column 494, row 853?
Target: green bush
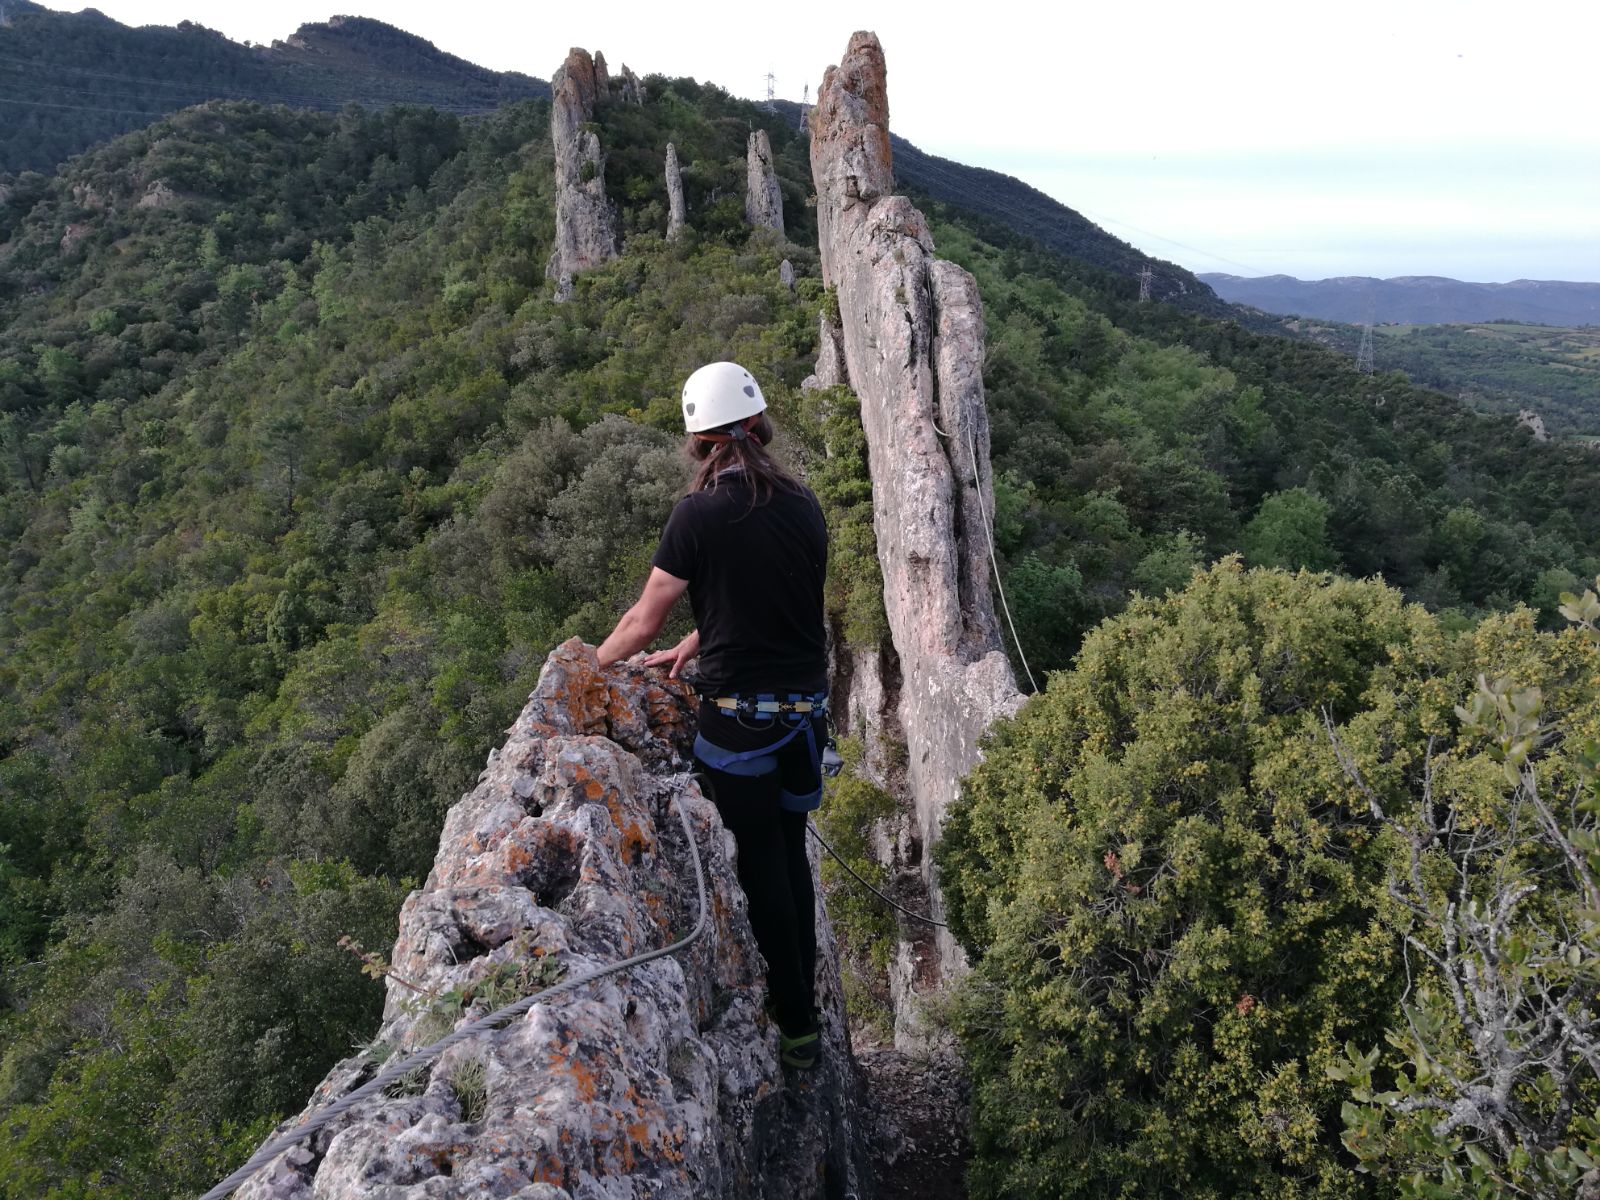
column 1170, row 889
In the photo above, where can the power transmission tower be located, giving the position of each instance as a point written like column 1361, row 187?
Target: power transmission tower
column 1364, row 354
column 805, row 108
column 1364, row 364
column 772, row 91
column 1144, row 284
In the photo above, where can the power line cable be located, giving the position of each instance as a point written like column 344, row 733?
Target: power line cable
column 204, row 91
column 136, row 112
column 131, row 112
column 258, row 57
column 428, row 1054
column 1173, row 242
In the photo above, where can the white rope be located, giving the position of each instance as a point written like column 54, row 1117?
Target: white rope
column 988, row 533
column 428, row 1053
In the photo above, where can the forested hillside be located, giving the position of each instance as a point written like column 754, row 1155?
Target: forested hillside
column 70, row 80
column 304, row 472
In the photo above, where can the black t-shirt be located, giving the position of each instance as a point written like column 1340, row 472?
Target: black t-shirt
column 755, row 583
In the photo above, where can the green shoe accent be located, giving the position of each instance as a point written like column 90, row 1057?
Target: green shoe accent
column 802, row 1050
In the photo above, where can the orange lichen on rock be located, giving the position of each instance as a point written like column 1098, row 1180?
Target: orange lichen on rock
column 663, row 1079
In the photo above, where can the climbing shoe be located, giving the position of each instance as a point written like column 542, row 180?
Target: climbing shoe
column 803, row 1049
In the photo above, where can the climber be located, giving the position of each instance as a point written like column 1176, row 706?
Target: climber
column 749, row 543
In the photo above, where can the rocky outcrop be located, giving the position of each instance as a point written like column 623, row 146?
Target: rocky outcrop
column 911, row 329
column 763, row 200
column 675, row 212
column 1533, row 423
column 86, row 195
column 158, row 195
column 73, row 235
column 631, row 89
column 786, row 274
column 663, row 1081
column 585, row 223
column 830, row 370
column 602, row 77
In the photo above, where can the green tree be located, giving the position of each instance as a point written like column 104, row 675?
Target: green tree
column 1169, row 891
column 1290, row 530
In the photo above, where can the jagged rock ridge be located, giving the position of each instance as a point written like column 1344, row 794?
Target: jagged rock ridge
column 763, row 199
column 586, row 233
column 911, row 334
column 661, row 1082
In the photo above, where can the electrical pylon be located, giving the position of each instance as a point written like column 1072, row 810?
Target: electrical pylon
column 772, row 91
column 1144, row 284
column 1364, row 354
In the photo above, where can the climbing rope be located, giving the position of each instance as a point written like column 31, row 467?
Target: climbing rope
column 428, row 1053
column 891, row 903
column 988, row 533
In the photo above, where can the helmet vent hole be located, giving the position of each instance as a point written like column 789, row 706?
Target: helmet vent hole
column 749, row 390
column 688, row 408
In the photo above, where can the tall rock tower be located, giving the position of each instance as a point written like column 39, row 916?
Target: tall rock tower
column 585, row 225
column 910, row 335
column 675, row 210
column 763, row 200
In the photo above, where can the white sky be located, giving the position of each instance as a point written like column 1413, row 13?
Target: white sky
column 1407, row 137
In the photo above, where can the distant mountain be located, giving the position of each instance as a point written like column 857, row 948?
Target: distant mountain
column 71, row 80
column 1415, row 299
column 1032, row 213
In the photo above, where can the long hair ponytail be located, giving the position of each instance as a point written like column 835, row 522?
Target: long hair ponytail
column 712, row 459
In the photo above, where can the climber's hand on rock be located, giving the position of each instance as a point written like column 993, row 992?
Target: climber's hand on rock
column 677, row 656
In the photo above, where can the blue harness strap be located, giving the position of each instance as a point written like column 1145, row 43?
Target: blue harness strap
column 763, row 760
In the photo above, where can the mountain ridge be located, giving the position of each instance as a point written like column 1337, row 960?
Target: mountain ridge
column 85, row 78
column 1414, row 299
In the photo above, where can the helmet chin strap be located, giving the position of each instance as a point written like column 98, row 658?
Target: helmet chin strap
column 737, row 433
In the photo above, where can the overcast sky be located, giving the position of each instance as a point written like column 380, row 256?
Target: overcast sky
column 1406, row 137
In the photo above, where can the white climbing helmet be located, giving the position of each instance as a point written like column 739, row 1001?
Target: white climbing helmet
column 719, row 394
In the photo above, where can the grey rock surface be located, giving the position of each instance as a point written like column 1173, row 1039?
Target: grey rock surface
column 585, row 223
column 786, row 274
column 158, row 195
column 675, row 210
column 830, row 370
column 662, row 1082
column 911, row 330
column 763, row 200
column 1533, row 423
column 631, row 89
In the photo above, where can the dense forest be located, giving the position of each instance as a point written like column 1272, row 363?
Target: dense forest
column 1499, row 366
column 1493, row 366
column 70, row 80
column 303, row 472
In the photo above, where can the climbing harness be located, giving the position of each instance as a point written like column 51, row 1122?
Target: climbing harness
column 800, row 712
column 483, row 1024
column 769, row 705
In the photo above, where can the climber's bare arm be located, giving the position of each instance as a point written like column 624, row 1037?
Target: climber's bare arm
column 677, row 656
column 641, row 623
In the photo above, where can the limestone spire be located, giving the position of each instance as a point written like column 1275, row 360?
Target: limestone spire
column 675, row 211
column 585, row 224
column 911, row 330
column 763, row 200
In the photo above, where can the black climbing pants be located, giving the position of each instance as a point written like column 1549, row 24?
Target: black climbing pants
column 776, row 877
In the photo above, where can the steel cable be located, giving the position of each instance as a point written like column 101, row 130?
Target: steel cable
column 428, row 1053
